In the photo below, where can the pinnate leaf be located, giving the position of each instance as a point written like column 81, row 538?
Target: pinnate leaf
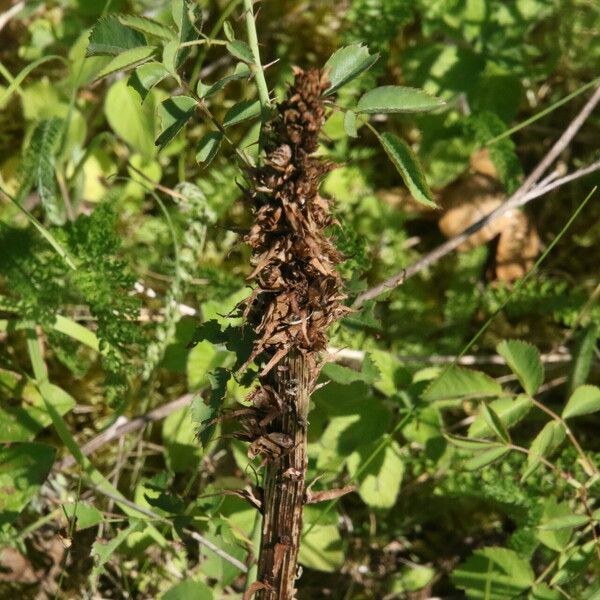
column 457, row 382
column 174, row 114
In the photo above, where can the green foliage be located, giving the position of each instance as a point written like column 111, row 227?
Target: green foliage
column 124, row 233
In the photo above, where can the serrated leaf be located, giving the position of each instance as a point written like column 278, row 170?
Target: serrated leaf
column 240, row 50
column 126, row 59
column 25, row 466
column 146, row 25
column 524, row 361
column 544, row 444
column 146, row 76
column 397, row 99
column 557, row 539
column 494, row 423
column 347, row 64
column 203, row 410
column 110, row 37
column 485, row 458
column 242, row 111
column 509, row 410
column 573, row 562
column 564, row 522
column 458, row 382
column 584, row 401
column 174, row 114
column 204, row 92
column 208, row 146
column 350, row 124
column 407, row 164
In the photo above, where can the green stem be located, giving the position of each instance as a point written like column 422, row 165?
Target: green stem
column 261, row 83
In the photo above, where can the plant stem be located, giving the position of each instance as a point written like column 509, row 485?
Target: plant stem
column 284, row 491
column 261, row 83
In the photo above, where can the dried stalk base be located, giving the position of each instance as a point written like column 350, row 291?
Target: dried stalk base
column 283, row 496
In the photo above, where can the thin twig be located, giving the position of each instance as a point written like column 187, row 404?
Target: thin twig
column 524, row 194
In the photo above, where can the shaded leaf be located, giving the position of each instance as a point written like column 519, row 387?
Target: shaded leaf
column 407, row 164
column 242, row 111
column 346, row 64
column 397, row 99
column 85, row 514
column 188, row 589
column 524, row 361
column 208, row 146
column 493, row 574
column 240, row 73
column 110, row 37
column 350, row 124
column 146, row 25
column 24, row 468
column 494, row 423
column 174, row 114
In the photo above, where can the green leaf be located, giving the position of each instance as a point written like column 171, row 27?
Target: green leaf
column 378, row 480
column 85, row 514
column 240, row 73
column 174, row 114
column 493, row 574
column 509, row 410
column 347, row 64
column 181, row 10
column 208, row 146
column 205, row 410
column 169, row 57
column 471, row 445
column 228, row 31
column 102, row 552
column 584, row 401
column 407, row 164
column 582, row 356
column 109, row 37
column 179, row 438
column 188, row 589
column 397, row 99
column 132, row 123
column 37, row 168
column 544, row 444
column 242, row 111
column 412, row 579
column 494, row 423
column 241, row 51
column 146, row 25
column 524, row 361
column 350, row 124
column 556, row 539
column 573, row 562
column 369, row 372
column 458, row 382
column 569, row 521
column 25, row 466
column 485, row 458
column 543, row 592
column 146, row 76
column 23, row 422
column 321, row 548
column 126, row 59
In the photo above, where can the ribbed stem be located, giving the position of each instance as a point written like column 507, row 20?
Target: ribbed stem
column 284, row 485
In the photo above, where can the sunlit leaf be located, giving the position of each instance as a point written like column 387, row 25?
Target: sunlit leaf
column 110, row 37
column 524, row 361
column 174, row 113
column 584, row 401
column 397, row 99
column 346, row 64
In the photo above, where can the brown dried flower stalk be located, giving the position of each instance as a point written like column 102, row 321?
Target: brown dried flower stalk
column 298, row 294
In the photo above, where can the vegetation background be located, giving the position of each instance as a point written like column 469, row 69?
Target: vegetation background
column 153, row 234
